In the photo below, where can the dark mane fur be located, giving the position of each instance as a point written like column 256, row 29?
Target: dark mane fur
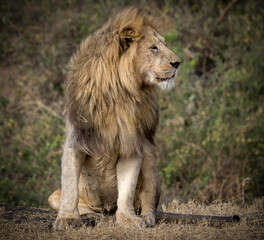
column 107, row 102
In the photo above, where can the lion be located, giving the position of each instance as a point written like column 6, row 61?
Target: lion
column 108, row 161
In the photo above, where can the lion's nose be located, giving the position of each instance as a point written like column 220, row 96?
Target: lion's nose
column 175, row 64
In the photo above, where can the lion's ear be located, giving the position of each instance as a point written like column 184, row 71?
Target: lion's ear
column 127, row 36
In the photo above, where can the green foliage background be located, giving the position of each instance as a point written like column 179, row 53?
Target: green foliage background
column 211, row 124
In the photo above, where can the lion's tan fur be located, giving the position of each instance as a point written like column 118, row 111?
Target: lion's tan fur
column 112, row 116
column 106, row 103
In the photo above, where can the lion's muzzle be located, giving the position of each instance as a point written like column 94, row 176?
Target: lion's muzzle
column 175, row 64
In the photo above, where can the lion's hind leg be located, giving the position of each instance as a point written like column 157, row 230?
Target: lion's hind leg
column 85, row 211
column 54, row 200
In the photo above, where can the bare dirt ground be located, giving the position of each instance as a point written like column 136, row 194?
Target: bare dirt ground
column 36, row 223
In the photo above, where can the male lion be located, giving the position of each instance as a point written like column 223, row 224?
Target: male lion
column 112, row 115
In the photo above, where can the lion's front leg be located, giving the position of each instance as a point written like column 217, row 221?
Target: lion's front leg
column 71, row 165
column 127, row 177
column 150, row 188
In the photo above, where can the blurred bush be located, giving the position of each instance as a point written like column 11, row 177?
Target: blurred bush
column 211, row 128
column 212, row 124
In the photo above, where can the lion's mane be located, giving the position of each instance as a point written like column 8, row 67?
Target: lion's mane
column 107, row 102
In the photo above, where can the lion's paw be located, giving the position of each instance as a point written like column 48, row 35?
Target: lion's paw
column 149, row 219
column 129, row 220
column 91, row 219
column 66, row 223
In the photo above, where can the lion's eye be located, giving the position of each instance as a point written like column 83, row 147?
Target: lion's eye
column 154, row 48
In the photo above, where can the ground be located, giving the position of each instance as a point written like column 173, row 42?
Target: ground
column 36, row 223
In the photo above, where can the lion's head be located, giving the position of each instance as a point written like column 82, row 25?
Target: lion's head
column 154, row 61
column 149, row 55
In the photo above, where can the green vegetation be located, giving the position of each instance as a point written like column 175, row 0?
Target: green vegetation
column 212, row 123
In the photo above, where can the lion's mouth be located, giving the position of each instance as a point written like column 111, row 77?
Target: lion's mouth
column 168, row 78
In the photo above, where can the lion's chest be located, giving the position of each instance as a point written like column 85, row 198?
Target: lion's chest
column 98, row 182
column 128, row 127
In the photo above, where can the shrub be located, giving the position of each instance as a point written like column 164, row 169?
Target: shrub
column 211, row 132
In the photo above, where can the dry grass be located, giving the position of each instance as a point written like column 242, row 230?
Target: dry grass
column 34, row 223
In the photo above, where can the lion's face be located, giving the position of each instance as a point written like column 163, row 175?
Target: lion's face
column 156, row 63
